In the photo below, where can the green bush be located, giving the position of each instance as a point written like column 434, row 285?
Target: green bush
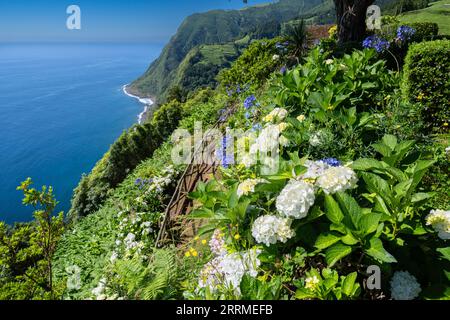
column 424, row 30
column 254, row 66
column 426, row 80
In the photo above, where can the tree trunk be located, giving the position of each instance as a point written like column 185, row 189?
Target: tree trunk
column 351, row 19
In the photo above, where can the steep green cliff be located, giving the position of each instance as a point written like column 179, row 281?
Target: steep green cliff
column 214, row 27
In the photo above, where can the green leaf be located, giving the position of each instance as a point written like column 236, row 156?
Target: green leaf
column 336, row 252
column 365, row 164
column 390, row 141
column 348, row 283
column 445, row 252
column 303, row 294
column 420, row 196
column 376, row 184
column 377, row 251
column 332, row 210
column 325, row 240
column 382, row 149
column 350, row 208
column 349, row 239
column 369, row 222
column 201, row 214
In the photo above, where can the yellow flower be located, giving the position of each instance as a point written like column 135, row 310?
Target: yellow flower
column 268, row 118
column 187, row 254
column 237, row 236
column 301, row 118
column 283, row 126
column 420, row 96
column 203, row 241
column 446, row 124
column 194, row 253
column 196, row 238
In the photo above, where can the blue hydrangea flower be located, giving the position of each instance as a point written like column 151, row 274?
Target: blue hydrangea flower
column 257, row 127
column 225, row 159
column 405, row 33
column 249, row 102
column 377, row 43
column 332, row 162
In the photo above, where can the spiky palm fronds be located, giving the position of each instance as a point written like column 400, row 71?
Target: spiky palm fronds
column 297, row 36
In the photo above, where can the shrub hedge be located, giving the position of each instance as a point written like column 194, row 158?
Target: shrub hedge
column 426, row 80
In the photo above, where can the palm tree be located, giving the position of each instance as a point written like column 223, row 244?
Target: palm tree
column 297, row 36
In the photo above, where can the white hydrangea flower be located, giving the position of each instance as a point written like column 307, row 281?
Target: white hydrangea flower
column 277, row 114
column 314, row 169
column 248, row 186
column 227, row 270
column 100, row 289
column 270, row 229
column 295, row 199
column 404, row 286
column 217, row 244
column 248, row 160
column 284, row 141
column 316, row 139
column 267, row 141
column 337, row 179
column 440, row 221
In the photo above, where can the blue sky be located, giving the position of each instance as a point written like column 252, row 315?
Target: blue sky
column 101, row 20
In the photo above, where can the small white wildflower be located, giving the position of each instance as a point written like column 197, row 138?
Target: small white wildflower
column 311, row 283
column 248, row 186
column 329, row 61
column 295, row 199
column 275, row 57
column 404, row 286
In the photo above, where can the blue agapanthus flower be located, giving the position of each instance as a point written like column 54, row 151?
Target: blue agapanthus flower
column 405, row 33
column 332, row 162
column 249, row 102
column 377, row 43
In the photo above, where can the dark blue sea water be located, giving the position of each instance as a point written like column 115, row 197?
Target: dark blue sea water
column 61, row 106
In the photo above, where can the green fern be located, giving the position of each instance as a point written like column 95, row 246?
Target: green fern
column 156, row 280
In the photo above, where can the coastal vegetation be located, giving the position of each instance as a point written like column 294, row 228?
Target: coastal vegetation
column 360, row 127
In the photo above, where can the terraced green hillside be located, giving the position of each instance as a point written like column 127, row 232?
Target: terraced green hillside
column 438, row 12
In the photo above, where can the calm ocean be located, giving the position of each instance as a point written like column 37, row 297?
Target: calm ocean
column 61, row 106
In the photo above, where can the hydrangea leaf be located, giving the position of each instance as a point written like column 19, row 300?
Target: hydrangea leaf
column 377, row 251
column 336, row 252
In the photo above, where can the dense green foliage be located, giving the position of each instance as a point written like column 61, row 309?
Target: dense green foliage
column 254, row 65
column 426, row 79
column 26, row 250
column 133, row 146
column 361, row 182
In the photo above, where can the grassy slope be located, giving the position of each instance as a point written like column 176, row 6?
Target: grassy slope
column 438, row 12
